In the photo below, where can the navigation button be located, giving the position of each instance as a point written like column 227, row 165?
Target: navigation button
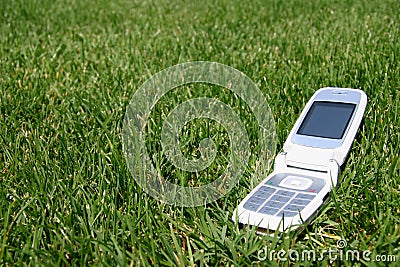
column 295, row 182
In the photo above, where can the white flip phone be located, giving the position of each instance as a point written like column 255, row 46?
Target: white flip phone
column 307, row 169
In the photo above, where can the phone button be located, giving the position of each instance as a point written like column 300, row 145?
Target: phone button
column 316, row 186
column 250, row 206
column 285, row 193
column 300, row 202
column 291, row 207
column 274, row 181
column 280, row 198
column 255, row 200
column 268, row 210
column 295, row 182
column 305, row 196
column 264, row 192
column 286, row 213
column 274, row 204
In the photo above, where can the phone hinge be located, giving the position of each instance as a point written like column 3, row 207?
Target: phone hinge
column 332, row 168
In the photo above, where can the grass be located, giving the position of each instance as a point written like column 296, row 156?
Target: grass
column 69, row 69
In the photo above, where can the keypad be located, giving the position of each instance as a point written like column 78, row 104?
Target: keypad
column 273, row 199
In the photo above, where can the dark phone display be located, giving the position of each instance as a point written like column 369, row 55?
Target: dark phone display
column 327, row 119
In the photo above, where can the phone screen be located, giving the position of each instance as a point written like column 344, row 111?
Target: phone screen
column 327, row 119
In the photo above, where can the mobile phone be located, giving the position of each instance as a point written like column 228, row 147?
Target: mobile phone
column 308, row 168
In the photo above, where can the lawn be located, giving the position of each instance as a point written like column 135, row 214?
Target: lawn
column 69, row 69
